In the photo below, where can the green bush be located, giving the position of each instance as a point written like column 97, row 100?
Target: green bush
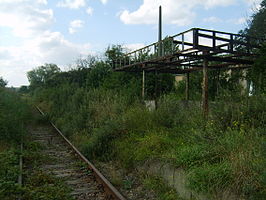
column 100, row 145
column 13, row 115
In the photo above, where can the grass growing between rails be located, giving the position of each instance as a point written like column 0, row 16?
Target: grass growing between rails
column 225, row 152
column 37, row 183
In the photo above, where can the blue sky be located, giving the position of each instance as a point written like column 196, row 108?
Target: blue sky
column 34, row 32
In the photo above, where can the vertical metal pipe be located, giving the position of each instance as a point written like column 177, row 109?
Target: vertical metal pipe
column 195, row 38
column 205, row 103
column 160, row 54
column 217, row 83
column 187, row 87
column 143, row 84
column 183, row 44
column 160, row 24
column 214, row 40
column 160, row 31
column 156, row 89
column 231, row 43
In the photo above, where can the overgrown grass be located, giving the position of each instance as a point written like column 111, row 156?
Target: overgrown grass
column 225, row 152
column 14, row 113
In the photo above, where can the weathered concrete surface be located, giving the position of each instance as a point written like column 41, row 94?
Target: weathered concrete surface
column 177, row 178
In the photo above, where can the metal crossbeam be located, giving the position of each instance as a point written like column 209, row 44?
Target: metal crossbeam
column 190, row 48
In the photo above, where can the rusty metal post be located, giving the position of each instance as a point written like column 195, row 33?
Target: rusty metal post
column 214, row 41
column 160, row 54
column 160, row 24
column 231, row 46
column 205, row 103
column 160, row 32
column 195, row 38
column 187, row 87
column 156, row 92
column 143, row 85
column 183, row 42
column 217, row 82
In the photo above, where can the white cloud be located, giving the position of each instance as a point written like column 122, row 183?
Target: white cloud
column 133, row 47
column 74, row 25
column 25, row 18
column 28, row 23
column 254, row 5
column 72, row 4
column 178, row 12
column 49, row 47
column 42, row 2
column 254, row 2
column 212, row 20
column 89, row 11
column 52, row 47
column 213, row 3
column 239, row 21
column 104, row 1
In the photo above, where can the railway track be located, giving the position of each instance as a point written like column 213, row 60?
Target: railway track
column 64, row 158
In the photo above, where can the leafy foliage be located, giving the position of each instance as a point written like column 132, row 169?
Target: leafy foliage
column 257, row 24
column 258, row 73
column 3, row 82
column 13, row 115
column 41, row 75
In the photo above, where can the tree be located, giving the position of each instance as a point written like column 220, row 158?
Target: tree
column 258, row 73
column 257, row 28
column 113, row 53
column 24, row 89
column 3, row 82
column 40, row 76
column 257, row 24
column 87, row 62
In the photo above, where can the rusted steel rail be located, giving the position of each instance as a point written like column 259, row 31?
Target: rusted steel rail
column 111, row 192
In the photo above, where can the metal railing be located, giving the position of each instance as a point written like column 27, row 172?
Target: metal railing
column 194, row 39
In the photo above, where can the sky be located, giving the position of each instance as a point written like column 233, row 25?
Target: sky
column 35, row 32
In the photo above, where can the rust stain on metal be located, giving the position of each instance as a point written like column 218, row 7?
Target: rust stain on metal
column 183, row 52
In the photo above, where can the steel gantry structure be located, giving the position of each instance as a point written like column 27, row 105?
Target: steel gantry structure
column 186, row 51
column 192, row 50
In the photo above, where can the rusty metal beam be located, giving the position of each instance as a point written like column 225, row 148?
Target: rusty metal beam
column 143, row 85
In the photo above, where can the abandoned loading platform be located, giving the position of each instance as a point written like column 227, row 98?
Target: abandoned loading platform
column 186, row 52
